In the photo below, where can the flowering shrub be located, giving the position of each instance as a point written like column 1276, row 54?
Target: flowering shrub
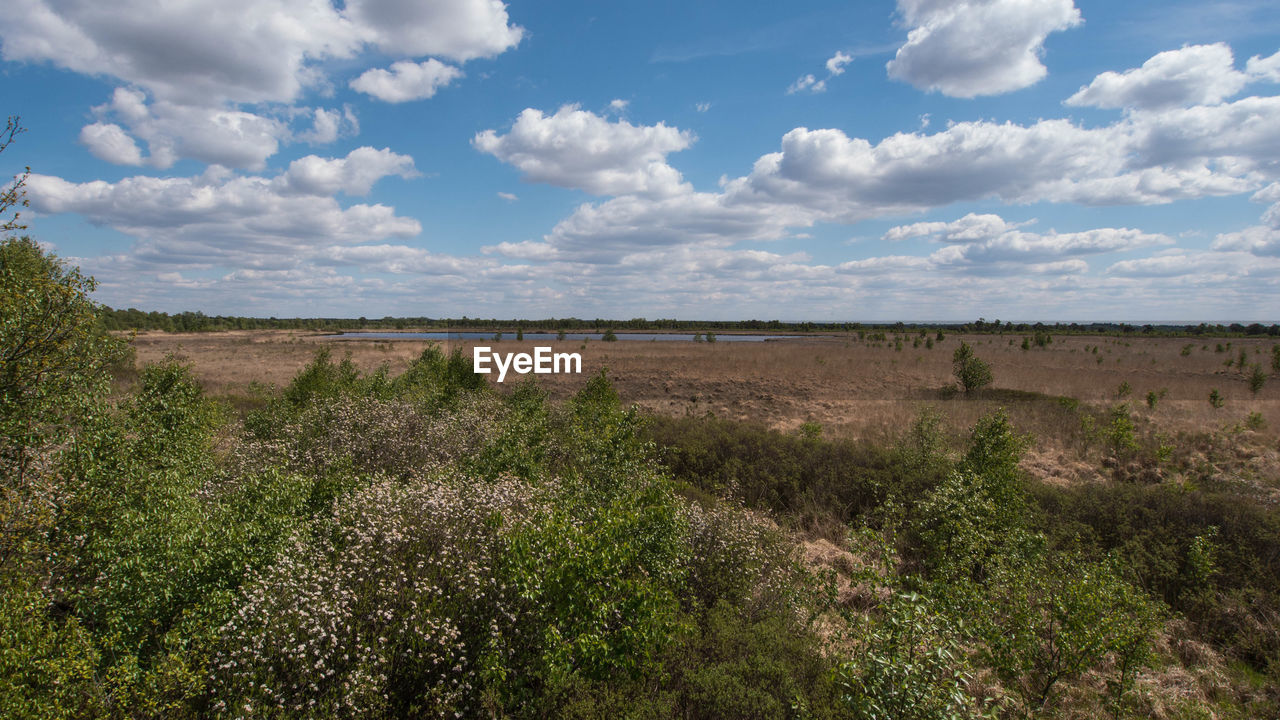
column 399, row 605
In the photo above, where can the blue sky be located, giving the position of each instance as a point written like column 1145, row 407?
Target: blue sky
column 914, row 160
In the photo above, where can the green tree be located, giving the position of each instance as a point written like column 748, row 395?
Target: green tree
column 13, row 196
column 972, row 372
column 53, row 373
column 1257, row 379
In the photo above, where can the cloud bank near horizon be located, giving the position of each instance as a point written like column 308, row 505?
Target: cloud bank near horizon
column 221, row 212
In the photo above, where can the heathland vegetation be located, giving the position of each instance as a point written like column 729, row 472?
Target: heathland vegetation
column 363, row 543
column 369, row 544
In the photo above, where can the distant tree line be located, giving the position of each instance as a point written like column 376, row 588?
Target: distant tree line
column 134, row 319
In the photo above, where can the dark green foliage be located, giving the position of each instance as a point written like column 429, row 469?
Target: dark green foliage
column 1153, row 397
column 1257, row 379
column 1163, row 536
column 1052, row 620
column 54, row 363
column 1215, row 399
column 907, row 659
column 907, row 664
column 977, row 513
column 322, row 379
column 53, row 355
column 1119, row 431
column 820, row 484
column 609, row 335
column 727, row 666
column 744, row 667
column 435, row 378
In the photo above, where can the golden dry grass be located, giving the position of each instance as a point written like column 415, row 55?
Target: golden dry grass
column 852, row 388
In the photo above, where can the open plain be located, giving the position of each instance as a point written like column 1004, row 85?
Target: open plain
column 852, row 388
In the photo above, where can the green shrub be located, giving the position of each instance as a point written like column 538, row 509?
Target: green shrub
column 817, row 484
column 1257, row 379
column 906, row 659
column 321, row 378
column 1050, row 621
column 907, row 663
column 977, row 513
column 47, row 666
column 1215, row 399
column 1119, row 432
column 972, row 373
column 436, row 379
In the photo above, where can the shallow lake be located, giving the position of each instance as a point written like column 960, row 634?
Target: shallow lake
column 550, row 336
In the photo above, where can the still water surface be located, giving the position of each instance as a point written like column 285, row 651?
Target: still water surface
column 548, row 336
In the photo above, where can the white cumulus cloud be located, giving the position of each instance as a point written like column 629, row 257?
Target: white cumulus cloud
column 982, row 239
column 200, row 61
column 1267, row 69
column 218, row 219
column 1193, row 75
column 406, row 81
column 836, row 63
column 966, row 48
column 354, row 174
column 460, row 30
column 576, row 148
column 108, row 141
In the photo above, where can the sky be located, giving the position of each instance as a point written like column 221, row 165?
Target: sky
column 917, row 160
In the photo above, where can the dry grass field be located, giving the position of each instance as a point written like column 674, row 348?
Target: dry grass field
column 851, row 388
